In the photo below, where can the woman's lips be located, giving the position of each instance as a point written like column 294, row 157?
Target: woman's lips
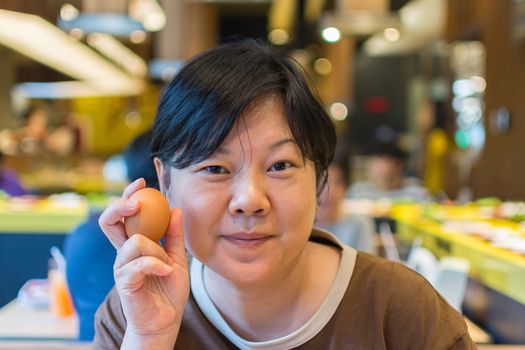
column 247, row 239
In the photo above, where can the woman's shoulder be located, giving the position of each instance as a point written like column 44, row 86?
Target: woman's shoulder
column 403, row 304
column 392, row 282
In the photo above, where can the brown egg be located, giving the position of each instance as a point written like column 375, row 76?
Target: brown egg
column 153, row 216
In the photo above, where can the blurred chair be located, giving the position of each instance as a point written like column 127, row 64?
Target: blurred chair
column 421, row 260
column 451, row 280
column 388, row 241
column 448, row 275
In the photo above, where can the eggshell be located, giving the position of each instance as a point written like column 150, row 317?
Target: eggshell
column 152, row 218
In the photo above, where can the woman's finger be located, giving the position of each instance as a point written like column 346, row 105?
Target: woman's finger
column 139, row 245
column 134, row 272
column 110, row 220
column 133, row 187
column 174, row 239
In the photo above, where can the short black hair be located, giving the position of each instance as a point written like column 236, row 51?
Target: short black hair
column 138, row 160
column 204, row 101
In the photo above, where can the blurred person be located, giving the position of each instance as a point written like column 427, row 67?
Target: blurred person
column 90, row 256
column 386, row 176
column 9, row 182
column 32, row 137
column 354, row 230
column 242, row 145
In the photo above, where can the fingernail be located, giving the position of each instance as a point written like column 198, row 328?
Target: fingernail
column 136, row 181
column 131, row 204
column 167, row 268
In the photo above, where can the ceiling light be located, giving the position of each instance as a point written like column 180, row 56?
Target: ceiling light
column 282, row 15
column 137, row 36
column 149, row 13
column 71, row 57
column 331, row 34
column 68, row 12
column 359, row 22
column 116, row 24
column 279, row 37
column 73, row 89
column 322, row 66
column 118, row 53
column 338, row 111
column 424, row 16
column 391, row 34
column 76, row 33
column 154, row 22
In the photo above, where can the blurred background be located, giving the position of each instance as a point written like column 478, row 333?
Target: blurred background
column 440, row 79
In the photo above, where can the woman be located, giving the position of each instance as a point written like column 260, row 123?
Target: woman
column 241, row 147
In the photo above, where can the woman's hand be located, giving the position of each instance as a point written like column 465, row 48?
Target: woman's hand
column 152, row 281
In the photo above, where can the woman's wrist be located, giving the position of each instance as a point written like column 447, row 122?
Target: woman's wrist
column 133, row 340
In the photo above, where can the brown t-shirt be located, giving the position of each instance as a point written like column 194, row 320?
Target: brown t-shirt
column 386, row 306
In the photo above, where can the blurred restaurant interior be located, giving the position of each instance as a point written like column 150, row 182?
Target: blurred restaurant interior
column 441, row 79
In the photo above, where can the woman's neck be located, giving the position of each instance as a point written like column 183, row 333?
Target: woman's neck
column 282, row 305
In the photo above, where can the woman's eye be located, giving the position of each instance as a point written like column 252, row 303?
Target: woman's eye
column 280, row 166
column 216, row 169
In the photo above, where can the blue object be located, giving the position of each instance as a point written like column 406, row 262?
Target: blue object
column 111, row 23
column 89, row 258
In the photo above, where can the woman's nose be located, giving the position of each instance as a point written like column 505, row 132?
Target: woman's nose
column 249, row 196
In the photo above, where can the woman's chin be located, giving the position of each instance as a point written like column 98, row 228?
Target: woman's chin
column 245, row 272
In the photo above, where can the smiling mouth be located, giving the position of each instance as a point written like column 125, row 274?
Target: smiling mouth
column 246, row 241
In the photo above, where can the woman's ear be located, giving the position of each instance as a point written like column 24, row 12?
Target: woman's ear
column 163, row 175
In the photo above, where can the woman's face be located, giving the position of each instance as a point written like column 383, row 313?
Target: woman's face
column 249, row 208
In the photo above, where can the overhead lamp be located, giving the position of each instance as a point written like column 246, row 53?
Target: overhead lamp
column 323, row 66
column 118, row 53
column 426, row 17
column 359, row 23
column 378, row 45
column 331, row 34
column 73, row 89
column 422, row 21
column 279, row 37
column 281, row 17
column 137, row 36
column 68, row 12
column 117, row 24
column 76, row 33
column 391, row 34
column 56, row 49
column 338, row 111
column 149, row 13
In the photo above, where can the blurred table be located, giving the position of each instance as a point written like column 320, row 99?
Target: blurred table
column 20, row 322
column 44, row 345
column 478, row 335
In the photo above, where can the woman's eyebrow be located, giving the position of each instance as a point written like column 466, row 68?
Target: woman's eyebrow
column 273, row 146
column 282, row 142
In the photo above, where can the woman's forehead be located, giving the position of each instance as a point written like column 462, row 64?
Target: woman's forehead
column 264, row 119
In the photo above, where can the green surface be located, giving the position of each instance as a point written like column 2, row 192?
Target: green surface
column 28, row 222
column 499, row 269
column 42, row 215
